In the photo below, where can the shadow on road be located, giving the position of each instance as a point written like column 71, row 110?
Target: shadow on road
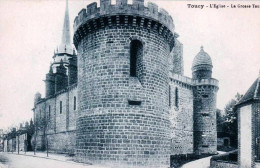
column 3, row 159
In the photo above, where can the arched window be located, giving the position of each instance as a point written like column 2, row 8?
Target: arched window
column 60, row 107
column 136, row 54
column 176, row 97
column 75, row 103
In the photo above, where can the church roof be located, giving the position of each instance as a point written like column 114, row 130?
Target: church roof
column 66, row 46
column 202, row 58
column 253, row 93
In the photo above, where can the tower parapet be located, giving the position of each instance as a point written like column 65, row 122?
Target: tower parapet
column 149, row 17
column 209, row 82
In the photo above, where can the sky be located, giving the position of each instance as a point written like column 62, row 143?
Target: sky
column 30, row 31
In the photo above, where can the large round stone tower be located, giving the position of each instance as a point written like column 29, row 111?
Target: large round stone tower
column 123, row 83
column 205, row 92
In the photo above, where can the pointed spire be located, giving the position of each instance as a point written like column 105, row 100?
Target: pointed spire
column 66, row 45
column 61, row 62
column 66, row 27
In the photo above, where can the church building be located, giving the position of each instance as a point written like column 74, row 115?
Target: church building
column 122, row 99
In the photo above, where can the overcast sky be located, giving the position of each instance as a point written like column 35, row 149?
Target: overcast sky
column 31, row 30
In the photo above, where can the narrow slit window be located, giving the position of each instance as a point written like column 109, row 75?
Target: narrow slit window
column 136, row 54
column 176, row 97
column 75, row 103
column 60, row 107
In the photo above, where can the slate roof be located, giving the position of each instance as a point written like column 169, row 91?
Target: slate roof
column 253, row 93
column 202, row 58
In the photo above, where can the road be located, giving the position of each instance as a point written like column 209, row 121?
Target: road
column 21, row 161
column 200, row 163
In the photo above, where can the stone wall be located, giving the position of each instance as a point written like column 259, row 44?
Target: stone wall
column 181, row 117
column 64, row 142
column 205, row 133
column 60, row 125
column 61, row 112
column 123, row 119
column 176, row 61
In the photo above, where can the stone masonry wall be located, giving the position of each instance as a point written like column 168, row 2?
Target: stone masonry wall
column 64, row 142
column 181, row 117
column 51, row 115
column 176, row 61
column 109, row 129
column 71, row 124
column 61, row 112
column 205, row 135
column 60, row 126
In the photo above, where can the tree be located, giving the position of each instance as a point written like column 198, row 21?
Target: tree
column 230, row 120
column 220, row 117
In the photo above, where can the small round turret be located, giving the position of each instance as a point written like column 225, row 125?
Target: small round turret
column 50, row 83
column 37, row 97
column 202, row 65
